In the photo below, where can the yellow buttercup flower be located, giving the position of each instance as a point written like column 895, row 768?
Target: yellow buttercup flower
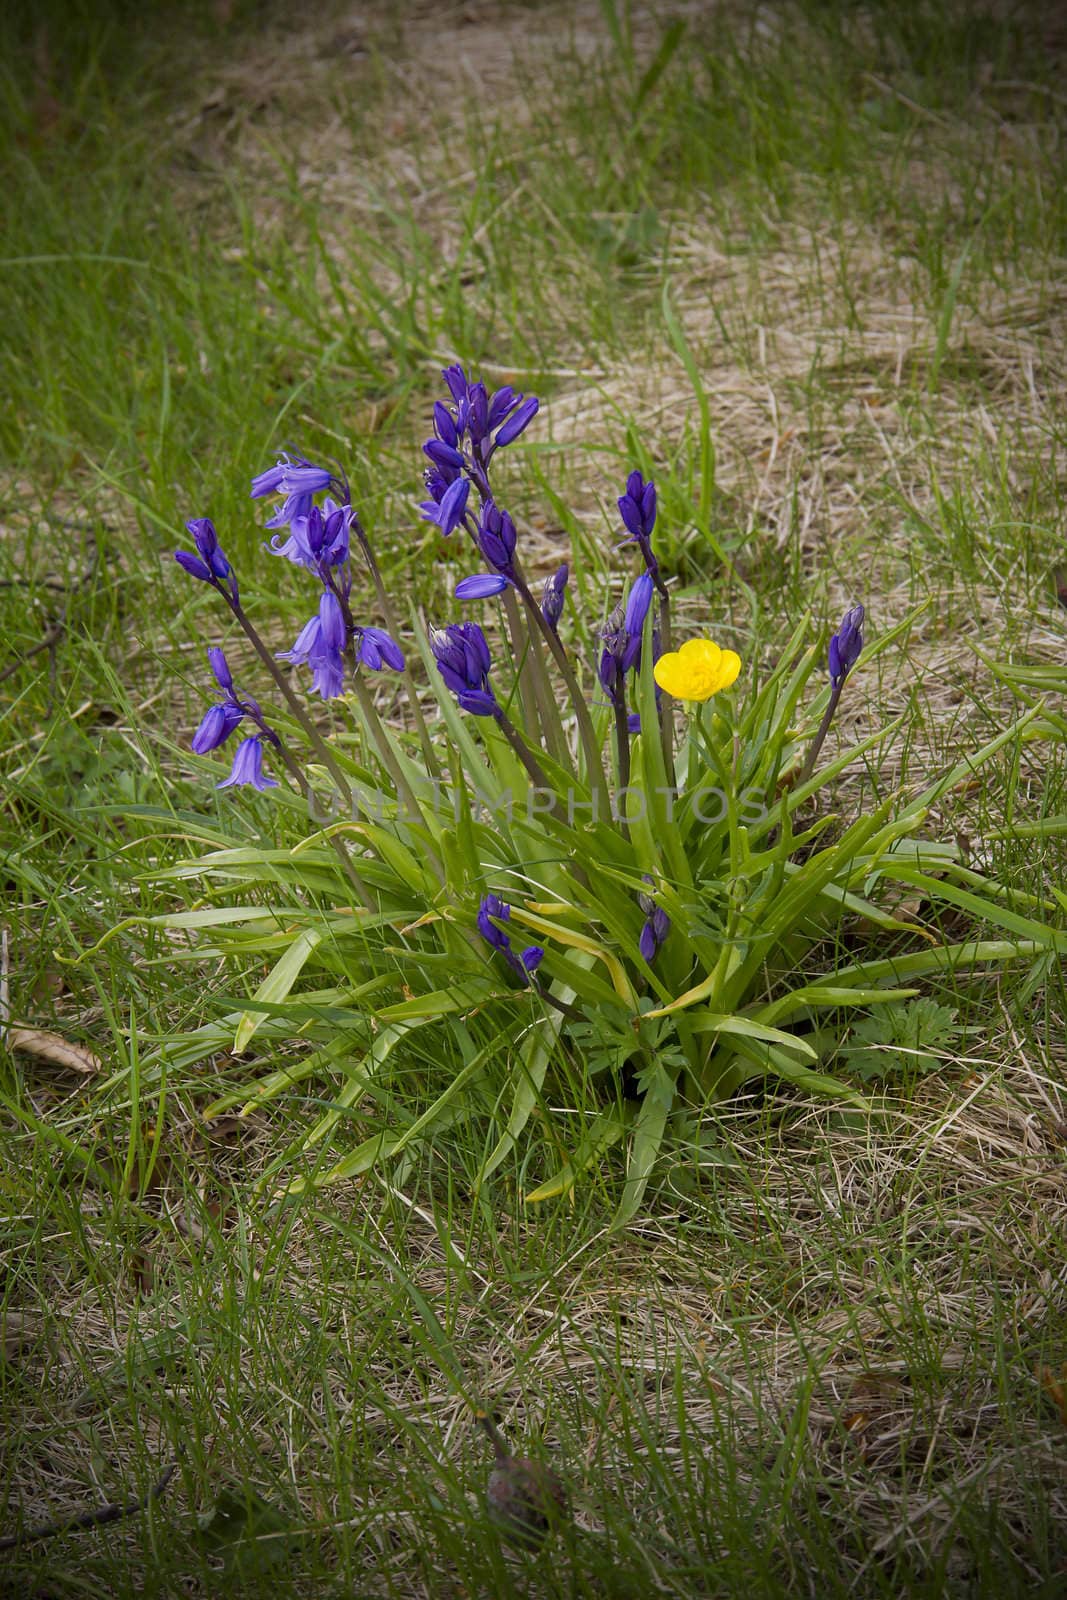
column 697, row 671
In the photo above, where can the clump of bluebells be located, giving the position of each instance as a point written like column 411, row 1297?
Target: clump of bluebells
column 673, row 873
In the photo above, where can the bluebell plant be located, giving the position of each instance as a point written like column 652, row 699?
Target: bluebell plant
column 669, row 910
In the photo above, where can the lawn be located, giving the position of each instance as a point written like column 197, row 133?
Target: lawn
column 806, row 267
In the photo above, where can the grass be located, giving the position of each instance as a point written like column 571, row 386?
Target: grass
column 808, row 270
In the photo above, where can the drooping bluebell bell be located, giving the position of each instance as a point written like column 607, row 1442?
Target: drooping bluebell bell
column 637, row 507
column 447, row 504
column 300, row 481
column 377, row 649
column 493, row 907
column 463, row 660
column 321, row 644
column 657, row 925
column 209, row 565
column 552, row 596
column 248, row 766
column 496, row 541
column 222, row 720
column 318, row 540
column 846, row 646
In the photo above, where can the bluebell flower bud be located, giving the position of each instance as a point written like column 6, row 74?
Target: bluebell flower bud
column 517, row 423
column 448, row 512
column 216, row 728
column 846, row 645
column 552, row 596
column 456, row 379
column 378, row 649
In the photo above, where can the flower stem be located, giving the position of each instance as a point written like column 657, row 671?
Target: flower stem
column 820, row 738
column 622, row 752
column 530, row 762
column 391, row 623
column 586, row 731
column 522, row 651
column 347, row 865
column 666, row 710
column 404, row 791
column 315, row 739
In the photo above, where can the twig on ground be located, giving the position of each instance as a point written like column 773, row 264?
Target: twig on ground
column 114, row 1511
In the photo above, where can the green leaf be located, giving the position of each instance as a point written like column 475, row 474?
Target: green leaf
column 672, row 37
column 251, row 1536
column 644, row 1153
column 606, row 1129
column 277, row 984
column 747, row 1028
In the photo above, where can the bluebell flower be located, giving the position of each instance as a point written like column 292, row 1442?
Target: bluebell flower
column 490, row 907
column 846, row 646
column 530, row 959
column 319, row 540
column 321, row 644
column 300, row 481
column 637, row 604
column 377, row 649
column 486, row 423
column 609, row 675
column 622, row 634
column 216, row 728
column 552, row 596
column 463, row 660
column 221, row 721
column 443, row 455
column 657, row 925
column 248, row 766
column 448, row 508
column 209, row 565
column 481, row 586
column 496, row 540
column 637, row 507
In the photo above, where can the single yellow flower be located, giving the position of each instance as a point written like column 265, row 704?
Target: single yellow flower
column 697, row 671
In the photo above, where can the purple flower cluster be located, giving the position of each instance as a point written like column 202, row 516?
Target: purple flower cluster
column 319, row 539
column 493, row 910
column 657, row 926
column 637, row 507
column 209, row 565
column 622, row 636
column 222, row 720
column 463, row 660
column 466, row 435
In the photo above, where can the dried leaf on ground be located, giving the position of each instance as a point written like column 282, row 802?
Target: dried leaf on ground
column 53, row 1047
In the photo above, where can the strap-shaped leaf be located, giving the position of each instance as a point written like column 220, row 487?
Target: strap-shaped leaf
column 277, row 984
